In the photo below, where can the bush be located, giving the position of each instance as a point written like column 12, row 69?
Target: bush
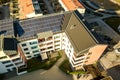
column 35, row 64
column 65, row 66
column 1, row 76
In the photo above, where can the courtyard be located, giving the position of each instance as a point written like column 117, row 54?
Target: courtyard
column 54, row 73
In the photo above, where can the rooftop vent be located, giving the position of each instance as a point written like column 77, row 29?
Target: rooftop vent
column 73, row 26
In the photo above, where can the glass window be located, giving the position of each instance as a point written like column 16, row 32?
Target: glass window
column 5, row 62
column 31, row 43
column 28, row 56
column 3, row 57
column 33, row 47
column 9, row 65
column 23, row 45
column 25, row 49
column 27, row 53
column 35, row 51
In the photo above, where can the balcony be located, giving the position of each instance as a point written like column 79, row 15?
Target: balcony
column 41, row 40
column 49, row 38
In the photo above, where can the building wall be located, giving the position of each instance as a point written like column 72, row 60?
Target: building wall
column 3, row 57
column 30, row 48
column 95, row 53
column 8, row 63
column 58, row 41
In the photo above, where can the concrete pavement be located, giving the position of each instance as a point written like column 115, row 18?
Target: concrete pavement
column 53, row 73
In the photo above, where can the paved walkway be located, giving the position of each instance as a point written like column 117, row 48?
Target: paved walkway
column 52, row 74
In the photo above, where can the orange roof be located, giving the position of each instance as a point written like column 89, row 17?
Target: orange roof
column 26, row 7
column 72, row 4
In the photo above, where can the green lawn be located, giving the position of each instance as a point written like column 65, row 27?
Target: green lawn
column 113, row 22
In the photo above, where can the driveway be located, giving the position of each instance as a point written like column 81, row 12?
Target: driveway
column 52, row 74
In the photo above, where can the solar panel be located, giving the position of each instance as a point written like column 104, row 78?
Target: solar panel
column 6, row 27
column 36, row 25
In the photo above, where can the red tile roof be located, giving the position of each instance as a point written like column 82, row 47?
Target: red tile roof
column 26, row 7
column 72, row 4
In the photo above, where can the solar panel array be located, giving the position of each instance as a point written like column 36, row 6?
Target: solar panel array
column 36, row 25
column 6, row 27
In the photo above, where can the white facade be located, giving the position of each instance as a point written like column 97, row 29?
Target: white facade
column 30, row 48
column 10, row 63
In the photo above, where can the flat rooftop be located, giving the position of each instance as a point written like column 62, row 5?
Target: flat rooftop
column 6, row 27
column 79, row 35
column 31, row 27
column 77, row 29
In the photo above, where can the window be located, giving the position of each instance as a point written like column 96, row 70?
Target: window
column 49, row 38
column 3, row 57
column 16, row 59
column 57, row 37
column 57, row 41
column 35, row 51
column 57, row 45
column 9, row 65
column 50, row 47
column 42, row 49
column 27, row 53
column 33, row 47
column 23, row 45
column 28, row 56
column 31, row 43
column 41, row 40
column 36, row 55
column 5, row 62
column 25, row 49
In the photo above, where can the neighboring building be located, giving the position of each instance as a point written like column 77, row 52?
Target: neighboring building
column 67, row 31
column 10, row 59
column 69, row 5
column 29, row 9
column 111, row 62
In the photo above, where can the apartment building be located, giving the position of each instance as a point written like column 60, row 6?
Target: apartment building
column 29, row 9
column 69, row 5
column 66, row 31
column 69, row 32
column 10, row 59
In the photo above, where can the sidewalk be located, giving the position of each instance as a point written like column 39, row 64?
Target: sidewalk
column 53, row 73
